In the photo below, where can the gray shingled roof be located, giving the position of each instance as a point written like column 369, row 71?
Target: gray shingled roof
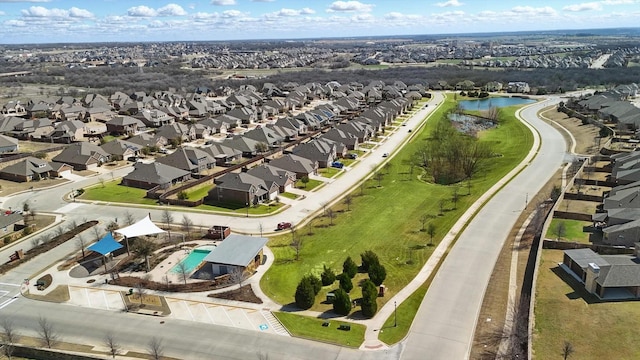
column 155, row 173
column 238, row 250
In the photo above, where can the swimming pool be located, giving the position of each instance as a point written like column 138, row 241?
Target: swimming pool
column 192, row 261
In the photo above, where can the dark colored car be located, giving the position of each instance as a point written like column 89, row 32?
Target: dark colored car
column 284, row 225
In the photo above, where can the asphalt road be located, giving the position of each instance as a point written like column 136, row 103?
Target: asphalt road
column 445, row 323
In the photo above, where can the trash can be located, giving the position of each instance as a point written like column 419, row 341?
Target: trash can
column 130, row 291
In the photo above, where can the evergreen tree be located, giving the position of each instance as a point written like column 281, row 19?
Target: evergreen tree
column 305, row 294
column 328, row 277
column 345, row 282
column 368, row 258
column 369, row 304
column 377, row 274
column 341, row 302
column 349, row 267
column 315, row 281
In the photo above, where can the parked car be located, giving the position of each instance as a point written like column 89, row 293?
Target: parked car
column 385, row 154
column 352, row 156
column 337, row 165
column 284, row 225
column 133, row 158
column 163, row 151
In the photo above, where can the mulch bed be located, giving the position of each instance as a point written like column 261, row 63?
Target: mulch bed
column 245, row 294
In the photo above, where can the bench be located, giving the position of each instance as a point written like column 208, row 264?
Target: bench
column 344, row 327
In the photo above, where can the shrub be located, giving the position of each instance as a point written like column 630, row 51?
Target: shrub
column 182, row 195
column 349, row 267
column 377, row 274
column 27, row 230
column 40, row 155
column 341, row 302
column 368, row 258
column 305, row 294
column 369, row 304
column 7, row 240
column 328, row 277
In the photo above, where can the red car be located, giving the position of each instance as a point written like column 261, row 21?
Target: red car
column 284, row 225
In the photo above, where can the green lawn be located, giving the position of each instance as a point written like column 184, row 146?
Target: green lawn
column 564, row 311
column 241, row 209
column 386, row 219
column 573, row 230
column 199, row 193
column 311, row 328
column 114, row 192
column 289, row 195
column 328, row 172
column 312, row 184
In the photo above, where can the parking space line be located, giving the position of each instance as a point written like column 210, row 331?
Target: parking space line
column 8, row 302
column 104, row 295
column 86, row 293
column 189, row 310
column 224, row 310
column 249, row 320
column 207, row 311
column 3, row 293
column 7, row 284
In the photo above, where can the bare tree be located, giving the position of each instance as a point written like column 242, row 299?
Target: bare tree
column 431, row 230
column 111, row 344
column 423, row 220
column 128, row 218
column 155, row 348
column 441, row 204
column 47, row 333
column 567, row 350
column 167, row 218
column 183, row 271
column 237, row 275
column 331, row 215
column 296, row 244
column 363, row 184
column 9, row 337
column 310, row 226
column 97, row 234
column 379, row 176
column 141, row 290
column 81, row 243
column 348, row 200
column 260, row 228
column 455, row 196
column 187, row 226
column 144, row 248
column 324, row 208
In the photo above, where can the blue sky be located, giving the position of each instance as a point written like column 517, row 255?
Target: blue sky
column 46, row 21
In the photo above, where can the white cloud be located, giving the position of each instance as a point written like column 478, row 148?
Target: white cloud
column 619, row 2
column 583, row 7
column 142, row 11
column 284, row 12
column 42, row 12
column 2, row 13
column 449, row 3
column 307, row 11
column 205, row 16
column 30, row 1
column 262, row 0
column 171, row 10
column 232, row 13
column 80, row 13
column 349, row 6
column 223, row 2
column 531, row 11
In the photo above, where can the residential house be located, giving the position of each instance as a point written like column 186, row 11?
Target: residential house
column 121, row 149
column 148, row 176
column 189, row 159
column 341, row 136
column 10, row 223
column 14, row 108
column 216, row 126
column 224, row 155
column 285, row 179
column 8, row 145
column 613, row 277
column 242, row 188
column 149, row 140
column 82, row 156
column 264, row 135
column 518, row 87
column 324, row 152
column 299, row 165
column 29, row 169
column 67, row 132
column 247, row 146
column 247, row 115
column 177, row 132
column 125, row 125
column 59, row 169
column 154, row 118
column 32, row 129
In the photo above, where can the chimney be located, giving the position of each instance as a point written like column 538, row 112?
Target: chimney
column 593, row 272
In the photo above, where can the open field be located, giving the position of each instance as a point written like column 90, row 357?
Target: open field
column 311, row 328
column 564, row 311
column 585, row 135
column 114, row 192
column 390, row 228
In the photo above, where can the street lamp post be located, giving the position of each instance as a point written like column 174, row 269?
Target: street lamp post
column 395, row 315
column 247, row 209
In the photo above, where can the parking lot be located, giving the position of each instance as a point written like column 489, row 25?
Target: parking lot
column 8, row 294
column 96, row 298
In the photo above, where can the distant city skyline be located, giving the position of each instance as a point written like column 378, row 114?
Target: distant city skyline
column 68, row 21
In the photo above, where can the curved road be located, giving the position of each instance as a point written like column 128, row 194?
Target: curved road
column 444, row 325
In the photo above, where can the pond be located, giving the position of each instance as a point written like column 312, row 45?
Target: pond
column 498, row 102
